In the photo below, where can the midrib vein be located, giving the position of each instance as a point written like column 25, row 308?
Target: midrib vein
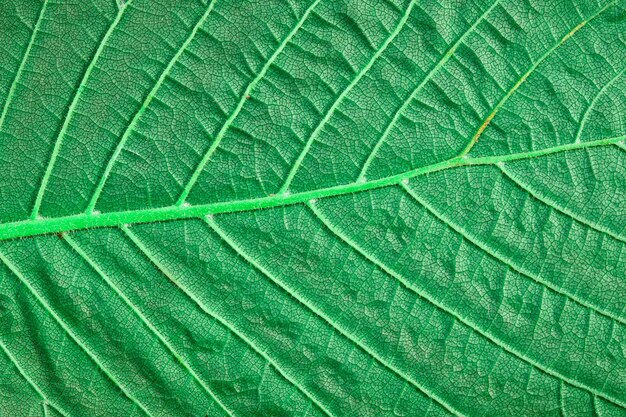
column 39, row 226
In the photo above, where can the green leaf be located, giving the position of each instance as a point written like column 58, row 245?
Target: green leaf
column 328, row 207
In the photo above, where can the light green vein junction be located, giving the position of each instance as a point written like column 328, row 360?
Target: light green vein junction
column 41, row 226
column 527, row 74
column 307, row 147
column 405, row 105
column 70, row 112
column 244, row 97
column 144, row 106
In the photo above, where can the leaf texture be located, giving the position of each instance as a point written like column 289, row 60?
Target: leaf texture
column 312, row 208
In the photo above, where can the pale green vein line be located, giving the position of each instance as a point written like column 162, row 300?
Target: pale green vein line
column 34, row 227
column 70, row 112
column 244, row 97
column 47, row 404
column 344, row 93
column 228, row 240
column 20, row 69
column 538, row 280
column 583, row 121
column 178, row 283
column 449, row 54
column 562, row 409
column 488, row 160
column 144, row 319
column 23, row 374
column 556, row 206
column 524, row 77
column 621, row 145
column 466, row 321
column 67, row 330
column 510, row 263
column 144, row 106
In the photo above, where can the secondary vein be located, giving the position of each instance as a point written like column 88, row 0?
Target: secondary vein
column 70, row 112
column 554, row 205
column 148, row 323
column 444, row 59
column 336, row 326
column 18, row 74
column 144, row 106
column 143, row 248
column 79, row 342
column 244, row 97
column 486, row 333
column 313, row 137
column 527, row 74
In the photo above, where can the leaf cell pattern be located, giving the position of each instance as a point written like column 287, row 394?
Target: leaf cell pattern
column 312, row 208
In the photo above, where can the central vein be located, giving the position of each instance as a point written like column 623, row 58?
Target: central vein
column 33, row 227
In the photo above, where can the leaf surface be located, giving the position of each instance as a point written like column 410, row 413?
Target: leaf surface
column 312, row 208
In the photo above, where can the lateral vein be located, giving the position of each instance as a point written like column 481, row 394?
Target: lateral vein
column 244, row 97
column 20, row 69
column 558, row 207
column 527, row 74
column 68, row 331
column 162, row 269
column 449, row 54
column 144, row 319
column 25, row 376
column 592, row 104
column 144, row 106
column 467, row 322
column 228, row 240
column 294, row 169
column 70, row 112
column 509, row 263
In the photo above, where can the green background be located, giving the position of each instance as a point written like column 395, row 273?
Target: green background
column 329, row 207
